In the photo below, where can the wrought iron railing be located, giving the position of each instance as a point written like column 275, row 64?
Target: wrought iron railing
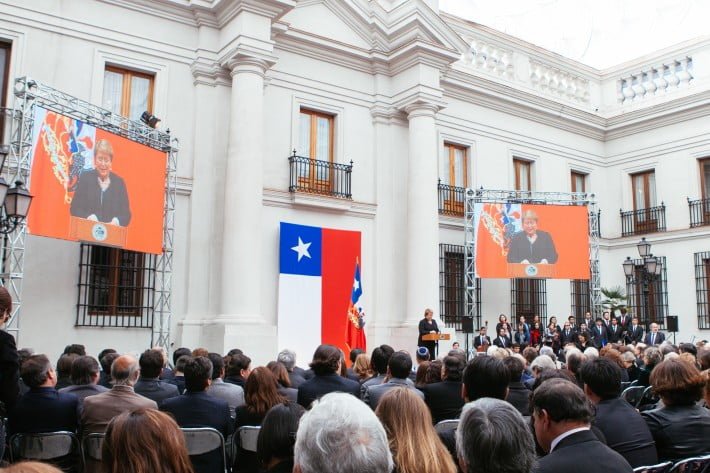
column 452, row 200
column 320, row 177
column 638, row 222
column 699, row 212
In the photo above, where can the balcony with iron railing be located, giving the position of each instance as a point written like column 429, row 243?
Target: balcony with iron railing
column 452, row 200
column 642, row 221
column 320, row 177
column 699, row 212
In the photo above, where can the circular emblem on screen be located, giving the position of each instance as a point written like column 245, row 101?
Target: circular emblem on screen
column 531, row 270
column 99, row 232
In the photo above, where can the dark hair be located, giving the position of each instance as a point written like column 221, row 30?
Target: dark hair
column 180, row 352
column 433, row 372
column 35, row 370
column 678, row 382
column 704, row 360
column 107, row 360
column 380, row 358
column 151, row 363
column 515, row 368
column 553, row 374
column 400, row 364
column 180, row 364
column 485, row 376
column 105, row 352
column 235, row 351
column 277, row 435
column 237, row 363
column 562, row 400
column 325, row 360
column 198, row 372
column 64, row 365
column 83, row 369
column 76, row 349
column 688, row 348
column 260, row 392
column 603, row 377
column 453, row 368
column 217, row 364
column 354, row 353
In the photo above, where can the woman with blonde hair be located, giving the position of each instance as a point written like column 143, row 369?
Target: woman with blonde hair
column 362, row 367
column 415, row 446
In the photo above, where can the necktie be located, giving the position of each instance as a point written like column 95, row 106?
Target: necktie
column 653, row 339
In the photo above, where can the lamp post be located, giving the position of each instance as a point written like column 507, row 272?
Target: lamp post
column 14, row 201
column 650, row 270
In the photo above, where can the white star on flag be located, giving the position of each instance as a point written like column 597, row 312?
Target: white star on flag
column 302, row 249
column 356, row 285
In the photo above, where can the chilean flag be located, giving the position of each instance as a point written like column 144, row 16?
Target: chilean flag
column 316, row 288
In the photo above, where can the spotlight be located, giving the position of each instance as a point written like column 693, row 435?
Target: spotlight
column 149, row 119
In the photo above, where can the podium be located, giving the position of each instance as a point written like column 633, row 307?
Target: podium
column 97, row 232
column 531, row 270
column 435, row 337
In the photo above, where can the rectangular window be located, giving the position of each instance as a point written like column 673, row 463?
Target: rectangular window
column 656, row 310
column 453, row 179
column 644, row 190
column 579, row 182
column 702, row 288
column 316, row 131
column 579, row 292
column 127, row 93
column 522, row 175
column 705, row 178
column 452, row 287
column 4, row 86
column 528, row 297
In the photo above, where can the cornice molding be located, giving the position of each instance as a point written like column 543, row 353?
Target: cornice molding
column 320, row 204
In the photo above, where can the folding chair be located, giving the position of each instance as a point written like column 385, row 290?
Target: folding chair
column 244, row 443
column 633, row 394
column 648, row 397
column 59, row 448
column 660, row 468
column 692, row 465
column 203, row 440
column 446, row 425
column 91, row 446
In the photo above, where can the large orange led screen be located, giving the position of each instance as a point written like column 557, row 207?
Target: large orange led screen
column 531, row 241
column 92, row 185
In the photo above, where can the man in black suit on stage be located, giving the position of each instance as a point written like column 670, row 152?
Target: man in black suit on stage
column 561, row 416
column 599, row 334
column 481, row 338
column 634, row 333
column 654, row 337
column 502, row 339
column 444, row 398
column 568, row 334
column 615, row 331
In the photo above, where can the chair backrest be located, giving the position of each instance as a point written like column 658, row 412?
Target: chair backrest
column 633, row 394
column 247, row 436
column 201, row 440
column 91, row 446
column 660, row 468
column 43, row 446
column 447, row 425
column 693, row 465
column 648, row 397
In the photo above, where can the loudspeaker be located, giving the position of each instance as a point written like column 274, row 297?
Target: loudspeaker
column 672, row 323
column 467, row 324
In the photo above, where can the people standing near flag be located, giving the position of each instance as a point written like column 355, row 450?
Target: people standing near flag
column 426, row 326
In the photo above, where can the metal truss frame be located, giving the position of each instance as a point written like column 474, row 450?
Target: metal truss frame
column 474, row 196
column 30, row 93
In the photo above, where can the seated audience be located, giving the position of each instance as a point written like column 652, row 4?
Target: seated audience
column 231, row 393
column 398, row 368
column 518, row 393
column 623, row 427
column 413, row 441
column 492, row 437
column 238, row 370
column 485, row 376
column 106, row 359
column 167, row 372
column 277, row 436
column 326, row 365
column 149, row 383
column 350, row 372
column 178, row 378
column 652, row 356
column 341, row 434
column 433, row 372
column 101, row 408
column 84, row 379
column 681, row 428
column 362, row 368
column 261, row 395
column 420, row 377
column 284, row 383
column 444, row 398
column 42, row 408
column 379, row 359
column 629, row 360
column 64, row 370
column 288, row 359
column 561, row 416
column 76, row 349
column 143, row 441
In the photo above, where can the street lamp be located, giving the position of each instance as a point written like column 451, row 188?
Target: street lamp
column 650, row 270
column 15, row 201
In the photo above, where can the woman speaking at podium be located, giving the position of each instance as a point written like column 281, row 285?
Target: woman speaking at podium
column 531, row 246
column 426, row 326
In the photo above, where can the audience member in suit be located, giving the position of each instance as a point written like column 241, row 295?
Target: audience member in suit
column 277, row 436
column 615, row 332
column 42, row 408
column 681, row 428
column 518, row 393
column 84, row 378
column 599, row 334
column 444, row 398
column 481, row 338
column 325, row 365
column 295, row 374
column 379, row 359
column 198, row 409
column 238, row 370
column 149, row 383
column 178, row 378
column 106, row 360
column 284, row 383
column 231, row 393
column 568, row 334
column 622, row 425
column 9, row 358
column 167, row 373
column 101, row 408
column 505, row 444
column 260, row 395
column 561, row 414
column 398, row 369
column 654, row 337
column 634, row 332
column 502, row 339
column 64, row 370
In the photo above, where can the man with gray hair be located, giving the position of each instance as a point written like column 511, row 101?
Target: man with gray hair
column 288, row 358
column 340, row 433
column 101, row 408
column 484, row 443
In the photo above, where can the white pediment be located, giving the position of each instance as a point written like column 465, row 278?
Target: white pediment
column 317, row 19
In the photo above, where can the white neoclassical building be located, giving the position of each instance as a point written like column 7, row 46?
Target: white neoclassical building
column 402, row 106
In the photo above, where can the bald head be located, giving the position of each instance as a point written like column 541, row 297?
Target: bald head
column 124, row 371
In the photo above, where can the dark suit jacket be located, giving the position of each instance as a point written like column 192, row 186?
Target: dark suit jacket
column 9, row 370
column 521, row 248
column 444, row 399
column 179, row 381
column 599, row 335
column 570, row 337
column 519, row 397
column 44, row 410
column 320, row 385
column 679, row 431
column 477, row 341
column 82, row 391
column 502, row 343
column 660, row 338
column 597, row 457
column 634, row 336
column 155, row 389
column 89, row 199
column 626, row 432
column 296, row 379
column 615, row 336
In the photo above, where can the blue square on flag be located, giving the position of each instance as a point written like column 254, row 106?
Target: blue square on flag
column 300, row 249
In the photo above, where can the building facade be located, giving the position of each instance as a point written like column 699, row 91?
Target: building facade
column 369, row 116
